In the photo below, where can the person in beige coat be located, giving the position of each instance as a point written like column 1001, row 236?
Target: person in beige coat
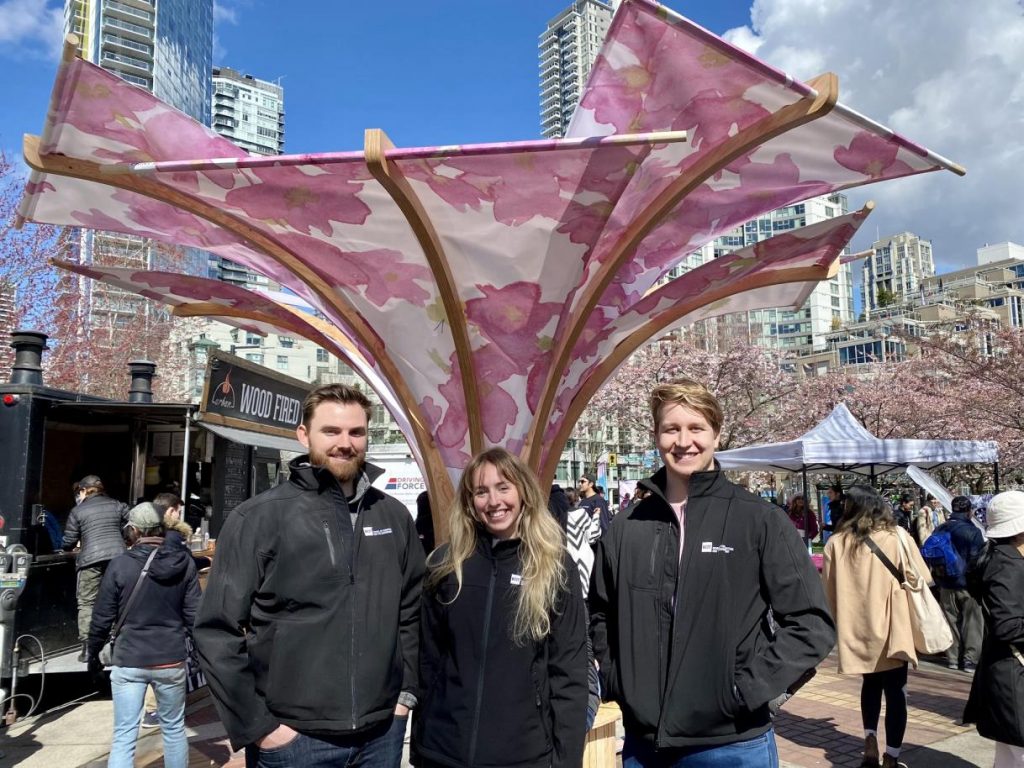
column 872, row 614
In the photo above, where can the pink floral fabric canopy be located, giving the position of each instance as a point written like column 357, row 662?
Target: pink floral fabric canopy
column 488, row 290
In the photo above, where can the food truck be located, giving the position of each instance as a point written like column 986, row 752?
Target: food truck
column 214, row 454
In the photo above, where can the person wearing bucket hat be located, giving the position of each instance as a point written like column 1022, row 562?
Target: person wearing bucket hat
column 996, row 702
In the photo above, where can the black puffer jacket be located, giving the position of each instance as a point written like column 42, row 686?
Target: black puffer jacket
column 996, row 702
column 685, row 645
column 154, row 629
column 96, row 522
column 487, row 701
column 307, row 619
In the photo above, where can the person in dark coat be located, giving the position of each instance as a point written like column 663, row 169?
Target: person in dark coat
column 503, row 631
column 150, row 647
column 962, row 611
column 996, row 702
column 96, row 523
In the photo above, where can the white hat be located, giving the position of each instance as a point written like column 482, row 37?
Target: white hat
column 1005, row 515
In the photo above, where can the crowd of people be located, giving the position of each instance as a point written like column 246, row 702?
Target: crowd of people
column 330, row 619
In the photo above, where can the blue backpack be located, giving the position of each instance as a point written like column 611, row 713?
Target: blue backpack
column 948, row 568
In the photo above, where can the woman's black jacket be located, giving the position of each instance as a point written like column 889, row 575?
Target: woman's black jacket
column 154, row 629
column 996, row 702
column 490, row 702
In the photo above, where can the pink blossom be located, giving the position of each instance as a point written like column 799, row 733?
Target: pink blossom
column 873, row 156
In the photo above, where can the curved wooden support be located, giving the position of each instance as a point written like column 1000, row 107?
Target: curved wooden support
column 376, row 145
column 785, row 119
column 644, row 333
column 60, row 165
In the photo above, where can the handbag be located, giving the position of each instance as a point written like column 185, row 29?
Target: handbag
column 195, row 678
column 107, row 651
column 927, row 622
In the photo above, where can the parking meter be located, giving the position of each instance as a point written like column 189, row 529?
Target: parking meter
column 14, row 565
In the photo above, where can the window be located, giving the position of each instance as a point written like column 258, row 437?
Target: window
column 254, row 357
column 286, row 342
column 282, row 362
column 322, row 356
column 252, row 338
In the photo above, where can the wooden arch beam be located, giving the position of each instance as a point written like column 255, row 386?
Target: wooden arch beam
column 375, row 146
column 785, row 119
column 644, row 333
column 61, row 165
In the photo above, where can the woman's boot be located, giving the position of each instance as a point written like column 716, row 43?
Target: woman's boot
column 870, row 751
column 888, row 761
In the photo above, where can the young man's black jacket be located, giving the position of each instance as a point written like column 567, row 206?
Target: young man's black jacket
column 487, row 701
column 694, row 660
column 307, row 619
column 153, row 632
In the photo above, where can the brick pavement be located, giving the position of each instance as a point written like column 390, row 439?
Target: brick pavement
column 820, row 726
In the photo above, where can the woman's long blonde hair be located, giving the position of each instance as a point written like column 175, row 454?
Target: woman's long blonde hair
column 542, row 544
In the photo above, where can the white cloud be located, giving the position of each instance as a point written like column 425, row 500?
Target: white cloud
column 224, row 14
column 28, row 31
column 944, row 73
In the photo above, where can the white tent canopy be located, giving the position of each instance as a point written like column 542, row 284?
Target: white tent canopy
column 841, row 443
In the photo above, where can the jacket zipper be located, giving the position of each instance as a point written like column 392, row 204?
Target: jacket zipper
column 483, row 664
column 352, row 605
column 330, row 544
column 654, row 552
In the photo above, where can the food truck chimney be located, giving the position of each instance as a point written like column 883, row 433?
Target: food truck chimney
column 142, row 381
column 28, row 357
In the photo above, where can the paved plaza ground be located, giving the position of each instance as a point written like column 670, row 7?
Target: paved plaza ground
column 818, row 727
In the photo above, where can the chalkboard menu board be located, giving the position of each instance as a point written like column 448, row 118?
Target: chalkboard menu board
column 232, row 468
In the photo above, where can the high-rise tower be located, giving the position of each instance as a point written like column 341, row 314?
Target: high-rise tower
column 248, row 111
column 895, row 270
column 567, row 51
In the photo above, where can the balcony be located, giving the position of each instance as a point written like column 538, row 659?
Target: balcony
column 127, row 27
column 128, row 45
column 552, row 109
column 127, row 61
column 127, row 10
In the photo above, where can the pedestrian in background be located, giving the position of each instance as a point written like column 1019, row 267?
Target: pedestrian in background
column 503, row 661
column 594, row 502
column 806, row 521
column 96, row 523
column 996, row 702
column 872, row 613
column 150, row 646
column 962, row 611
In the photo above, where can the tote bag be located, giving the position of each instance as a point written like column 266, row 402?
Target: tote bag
column 931, row 630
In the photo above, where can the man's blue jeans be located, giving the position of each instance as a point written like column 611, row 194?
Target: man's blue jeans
column 128, row 686
column 378, row 748
column 759, row 752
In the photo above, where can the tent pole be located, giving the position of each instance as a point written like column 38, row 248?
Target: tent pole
column 807, row 511
column 995, row 474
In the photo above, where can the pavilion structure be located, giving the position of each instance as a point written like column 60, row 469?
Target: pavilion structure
column 486, row 291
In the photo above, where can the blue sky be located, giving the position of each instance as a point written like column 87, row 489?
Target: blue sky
column 945, row 73
column 449, row 71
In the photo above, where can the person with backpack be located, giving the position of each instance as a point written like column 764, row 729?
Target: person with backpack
column 996, row 703
column 949, row 551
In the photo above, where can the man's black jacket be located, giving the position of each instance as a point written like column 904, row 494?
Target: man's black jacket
column 695, row 660
column 154, row 629
column 308, row 620
column 486, row 700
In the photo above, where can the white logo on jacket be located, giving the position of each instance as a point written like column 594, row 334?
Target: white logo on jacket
column 707, row 546
column 371, row 531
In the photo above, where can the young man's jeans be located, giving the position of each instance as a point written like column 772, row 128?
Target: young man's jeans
column 128, row 685
column 759, row 752
column 378, row 748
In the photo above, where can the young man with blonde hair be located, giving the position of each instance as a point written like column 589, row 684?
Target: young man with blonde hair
column 706, row 609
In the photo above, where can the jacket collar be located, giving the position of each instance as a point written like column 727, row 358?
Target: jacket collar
column 487, row 546
column 701, row 483
column 310, row 477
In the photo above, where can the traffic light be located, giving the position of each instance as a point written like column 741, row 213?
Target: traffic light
column 613, row 459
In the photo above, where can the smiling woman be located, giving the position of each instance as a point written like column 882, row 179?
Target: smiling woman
column 503, row 629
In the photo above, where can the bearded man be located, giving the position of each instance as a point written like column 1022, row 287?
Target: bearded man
column 309, row 625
